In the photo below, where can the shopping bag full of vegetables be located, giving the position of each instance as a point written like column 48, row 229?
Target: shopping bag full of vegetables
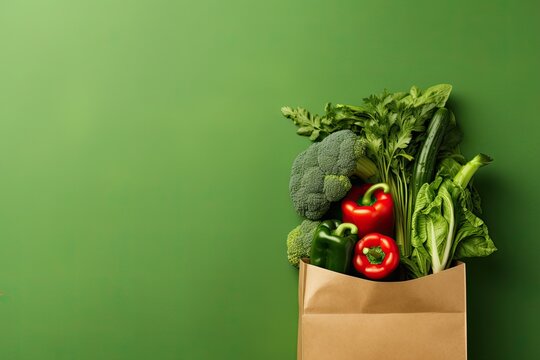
column 389, row 208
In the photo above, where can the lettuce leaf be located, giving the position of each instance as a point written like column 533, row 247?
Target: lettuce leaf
column 444, row 226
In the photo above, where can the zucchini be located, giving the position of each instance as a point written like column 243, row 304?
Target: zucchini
column 425, row 163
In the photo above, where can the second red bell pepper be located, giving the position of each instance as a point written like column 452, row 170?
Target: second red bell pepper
column 376, row 256
column 371, row 208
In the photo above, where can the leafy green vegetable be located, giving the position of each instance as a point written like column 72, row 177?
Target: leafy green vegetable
column 318, row 127
column 443, row 226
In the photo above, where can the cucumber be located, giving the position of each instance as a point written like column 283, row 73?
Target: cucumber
column 425, row 162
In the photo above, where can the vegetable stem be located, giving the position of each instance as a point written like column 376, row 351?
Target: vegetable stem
column 365, row 168
column 367, row 198
column 449, row 238
column 463, row 177
column 375, row 253
column 346, row 226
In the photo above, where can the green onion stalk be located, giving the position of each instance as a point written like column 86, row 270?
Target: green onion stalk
column 399, row 190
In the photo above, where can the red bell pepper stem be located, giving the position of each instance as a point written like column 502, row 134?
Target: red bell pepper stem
column 367, row 198
column 377, row 255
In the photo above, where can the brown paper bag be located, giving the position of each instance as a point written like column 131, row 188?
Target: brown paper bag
column 342, row 317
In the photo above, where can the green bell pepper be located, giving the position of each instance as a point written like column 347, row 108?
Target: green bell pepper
column 332, row 248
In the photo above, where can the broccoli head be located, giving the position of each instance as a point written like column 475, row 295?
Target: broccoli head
column 321, row 174
column 299, row 241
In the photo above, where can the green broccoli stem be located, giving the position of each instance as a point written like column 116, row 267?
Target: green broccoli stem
column 463, row 177
column 365, row 168
column 345, row 226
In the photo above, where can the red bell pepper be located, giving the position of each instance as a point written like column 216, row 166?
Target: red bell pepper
column 374, row 213
column 376, row 256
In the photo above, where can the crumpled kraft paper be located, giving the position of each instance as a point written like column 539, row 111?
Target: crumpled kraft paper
column 342, row 317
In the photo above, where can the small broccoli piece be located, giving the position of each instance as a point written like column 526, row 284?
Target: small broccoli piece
column 336, row 187
column 299, row 241
column 320, row 174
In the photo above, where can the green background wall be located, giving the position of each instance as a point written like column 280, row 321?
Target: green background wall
column 144, row 164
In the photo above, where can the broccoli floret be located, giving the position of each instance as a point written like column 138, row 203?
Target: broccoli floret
column 299, row 241
column 336, row 153
column 336, row 187
column 320, row 174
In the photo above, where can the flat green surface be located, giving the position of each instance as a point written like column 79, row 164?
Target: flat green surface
column 144, row 164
